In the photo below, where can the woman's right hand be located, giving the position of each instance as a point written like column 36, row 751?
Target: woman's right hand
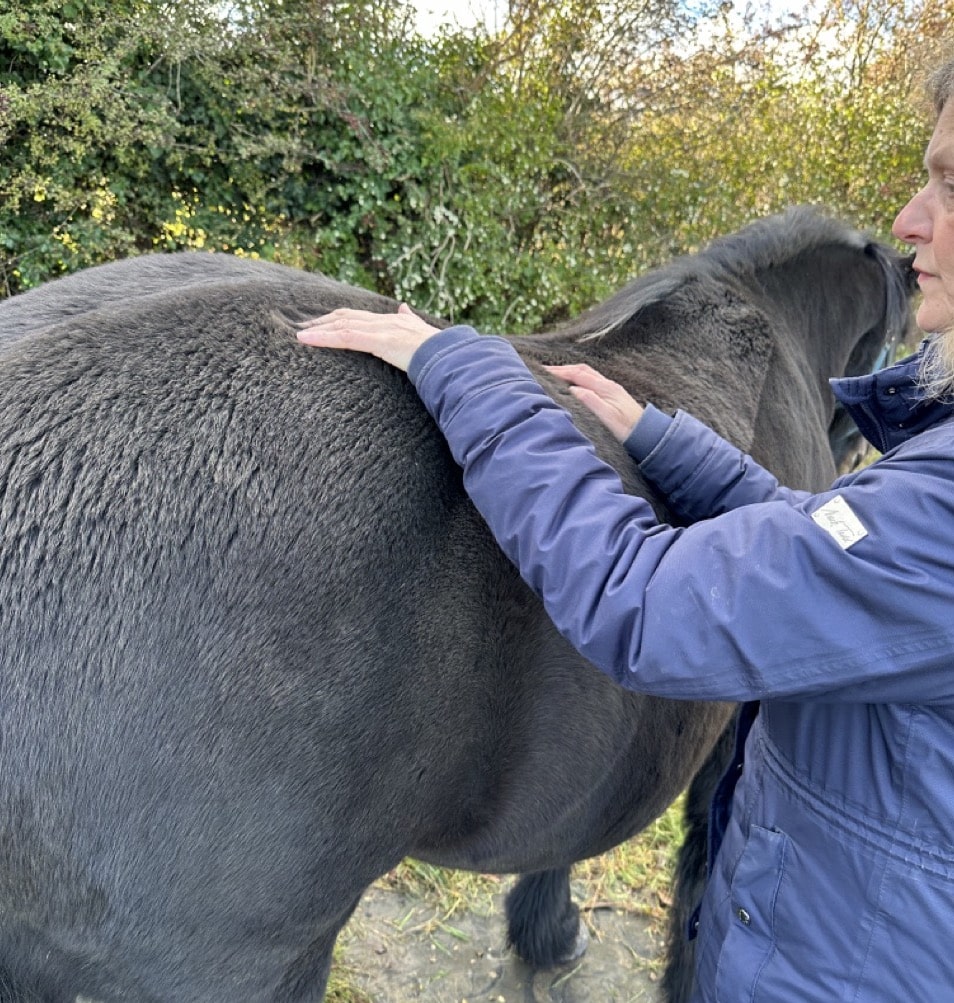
column 612, row 404
column 393, row 337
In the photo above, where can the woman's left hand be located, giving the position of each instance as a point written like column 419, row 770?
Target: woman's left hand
column 389, row 336
column 611, row 403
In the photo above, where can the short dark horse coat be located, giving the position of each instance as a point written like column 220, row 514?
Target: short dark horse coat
column 257, row 646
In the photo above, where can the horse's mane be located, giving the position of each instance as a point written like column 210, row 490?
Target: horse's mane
column 734, row 259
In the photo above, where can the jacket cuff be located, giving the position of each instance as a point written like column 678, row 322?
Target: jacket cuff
column 436, row 345
column 647, row 433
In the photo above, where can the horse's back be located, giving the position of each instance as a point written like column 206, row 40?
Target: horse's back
column 134, row 279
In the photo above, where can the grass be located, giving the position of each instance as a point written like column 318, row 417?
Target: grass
column 341, row 987
column 637, row 875
column 634, row 877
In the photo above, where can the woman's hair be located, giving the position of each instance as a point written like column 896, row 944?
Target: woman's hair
column 940, row 86
column 936, row 368
column 936, row 372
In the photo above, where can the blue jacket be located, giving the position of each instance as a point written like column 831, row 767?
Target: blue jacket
column 835, row 879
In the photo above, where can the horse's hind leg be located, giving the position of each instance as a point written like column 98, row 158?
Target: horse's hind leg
column 691, row 871
column 543, row 924
column 306, row 980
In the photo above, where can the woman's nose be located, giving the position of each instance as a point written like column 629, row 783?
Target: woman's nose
column 913, row 222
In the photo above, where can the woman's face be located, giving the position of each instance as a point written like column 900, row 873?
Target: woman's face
column 927, row 222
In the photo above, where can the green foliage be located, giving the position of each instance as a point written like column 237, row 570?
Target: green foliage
column 510, row 180
column 81, row 121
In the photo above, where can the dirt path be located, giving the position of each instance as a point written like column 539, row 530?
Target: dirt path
column 397, row 951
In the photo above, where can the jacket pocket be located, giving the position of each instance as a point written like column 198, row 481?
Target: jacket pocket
column 751, row 936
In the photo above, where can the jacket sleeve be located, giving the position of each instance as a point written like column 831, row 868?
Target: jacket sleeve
column 761, row 602
column 699, row 472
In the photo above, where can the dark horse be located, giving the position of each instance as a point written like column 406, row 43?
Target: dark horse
column 257, row 646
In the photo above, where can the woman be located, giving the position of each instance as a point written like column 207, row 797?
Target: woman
column 835, row 877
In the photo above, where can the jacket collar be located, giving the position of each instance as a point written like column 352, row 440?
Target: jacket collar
column 889, row 406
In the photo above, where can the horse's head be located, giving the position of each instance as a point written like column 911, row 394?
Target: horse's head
column 801, row 295
column 894, row 323
column 848, row 297
column 878, row 347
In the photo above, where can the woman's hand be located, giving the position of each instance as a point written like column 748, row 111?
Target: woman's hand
column 613, row 405
column 391, row 337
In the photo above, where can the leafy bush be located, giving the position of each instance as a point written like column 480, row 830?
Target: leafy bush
column 510, row 180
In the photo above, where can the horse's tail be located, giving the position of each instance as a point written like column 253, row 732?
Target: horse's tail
column 691, row 870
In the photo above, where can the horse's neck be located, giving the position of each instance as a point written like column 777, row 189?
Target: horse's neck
column 827, row 321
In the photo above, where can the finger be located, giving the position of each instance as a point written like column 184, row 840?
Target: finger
column 594, row 402
column 597, row 403
column 323, row 337
column 333, row 318
column 574, row 370
column 338, row 316
column 570, row 370
column 580, row 374
column 344, row 325
column 371, row 323
column 618, row 423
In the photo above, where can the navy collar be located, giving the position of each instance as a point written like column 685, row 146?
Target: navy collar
column 889, row 406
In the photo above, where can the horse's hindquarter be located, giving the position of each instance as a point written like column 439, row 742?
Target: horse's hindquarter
column 237, row 663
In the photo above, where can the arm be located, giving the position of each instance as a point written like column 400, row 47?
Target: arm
column 700, row 473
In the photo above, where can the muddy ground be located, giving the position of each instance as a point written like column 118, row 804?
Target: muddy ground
column 398, row 950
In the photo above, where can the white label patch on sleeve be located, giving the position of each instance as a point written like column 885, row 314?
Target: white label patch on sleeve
column 838, row 520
